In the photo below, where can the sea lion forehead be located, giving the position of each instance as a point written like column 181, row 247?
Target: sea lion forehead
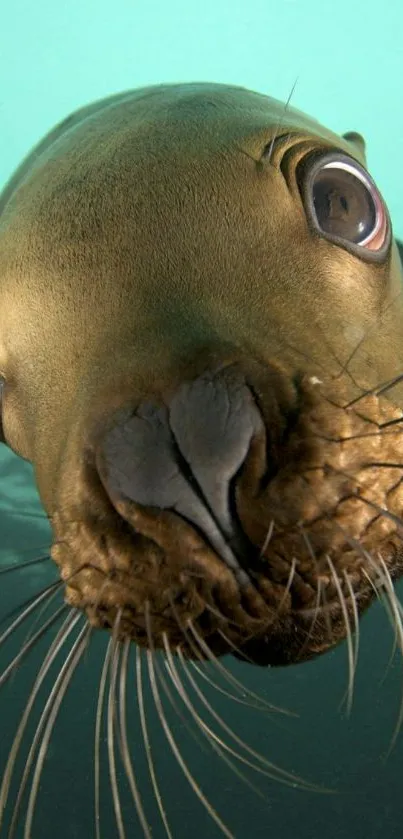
column 210, row 115
column 225, row 103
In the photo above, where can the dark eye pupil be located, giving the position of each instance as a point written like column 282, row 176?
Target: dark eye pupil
column 343, row 205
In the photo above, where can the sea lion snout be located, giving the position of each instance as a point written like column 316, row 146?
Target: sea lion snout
column 240, row 494
column 185, row 456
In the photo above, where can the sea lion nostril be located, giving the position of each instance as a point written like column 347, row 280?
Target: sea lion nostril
column 184, row 457
column 213, row 420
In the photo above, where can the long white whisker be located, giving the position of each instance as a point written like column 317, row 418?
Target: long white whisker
column 18, row 566
column 170, row 738
column 111, row 719
column 264, row 766
column 98, row 720
column 224, row 692
column 147, row 744
column 231, row 679
column 61, row 638
column 198, row 646
column 38, row 617
column 126, row 756
column 397, row 613
column 28, row 610
column 27, row 647
column 215, row 742
column 267, row 539
column 350, row 646
column 174, row 747
column 55, row 701
column 356, row 620
column 280, row 122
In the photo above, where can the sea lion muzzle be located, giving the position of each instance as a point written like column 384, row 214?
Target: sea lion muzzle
column 202, row 322
column 224, row 489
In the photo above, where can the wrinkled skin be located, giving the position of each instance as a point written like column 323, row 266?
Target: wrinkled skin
column 180, row 348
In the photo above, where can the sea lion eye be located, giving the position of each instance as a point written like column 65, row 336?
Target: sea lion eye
column 344, row 205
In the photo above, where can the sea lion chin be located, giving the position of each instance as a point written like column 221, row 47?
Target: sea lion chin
column 200, row 341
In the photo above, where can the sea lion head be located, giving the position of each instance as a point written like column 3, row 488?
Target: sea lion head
column 201, row 342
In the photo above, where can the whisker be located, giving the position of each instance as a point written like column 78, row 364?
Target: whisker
column 319, row 592
column 171, row 740
column 350, row 646
column 98, row 720
column 377, row 593
column 356, row 619
column 32, row 602
column 397, row 611
column 271, row 770
column 111, row 722
column 381, row 586
column 30, row 644
column 352, row 652
column 224, row 618
column 368, row 332
column 389, row 423
column 384, row 512
column 9, row 511
column 60, row 639
column 267, row 539
column 147, row 744
column 212, row 737
column 376, row 391
column 17, row 566
column 382, row 464
column 236, row 649
column 126, row 756
column 178, row 711
column 354, row 543
column 194, row 734
column 289, row 584
column 382, row 598
column 280, row 122
column 227, row 693
column 41, row 612
column 54, row 702
column 326, row 616
column 198, row 653
column 224, row 672
column 380, row 431
column 175, row 750
column 319, row 597
column 229, row 677
column 32, row 605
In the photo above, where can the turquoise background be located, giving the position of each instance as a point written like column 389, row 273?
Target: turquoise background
column 347, row 57
column 348, row 61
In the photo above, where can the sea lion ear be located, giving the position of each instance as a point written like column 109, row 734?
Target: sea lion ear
column 358, row 141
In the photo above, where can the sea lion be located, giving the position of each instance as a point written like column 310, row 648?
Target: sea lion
column 201, row 331
column 195, row 284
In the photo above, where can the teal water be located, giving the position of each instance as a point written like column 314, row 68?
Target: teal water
column 348, row 63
